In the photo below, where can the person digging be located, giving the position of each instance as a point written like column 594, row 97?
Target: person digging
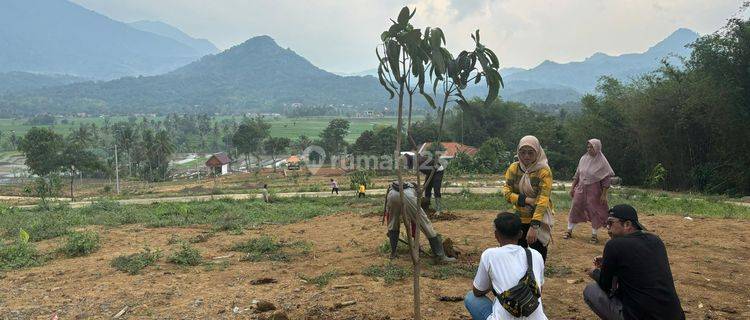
column 393, row 212
column 433, row 182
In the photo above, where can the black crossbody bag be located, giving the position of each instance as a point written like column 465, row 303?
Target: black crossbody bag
column 523, row 298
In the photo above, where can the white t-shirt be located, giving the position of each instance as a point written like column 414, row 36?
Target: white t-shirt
column 502, row 267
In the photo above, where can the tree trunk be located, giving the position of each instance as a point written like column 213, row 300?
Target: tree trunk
column 413, row 239
column 72, row 179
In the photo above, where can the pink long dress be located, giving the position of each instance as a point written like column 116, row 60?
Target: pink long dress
column 587, row 205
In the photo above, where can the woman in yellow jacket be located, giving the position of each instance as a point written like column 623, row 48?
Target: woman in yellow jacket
column 528, row 186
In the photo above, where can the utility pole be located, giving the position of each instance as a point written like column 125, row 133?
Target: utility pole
column 117, row 172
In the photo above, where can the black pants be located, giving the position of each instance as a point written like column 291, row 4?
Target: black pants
column 361, row 195
column 335, row 190
column 434, row 186
column 536, row 245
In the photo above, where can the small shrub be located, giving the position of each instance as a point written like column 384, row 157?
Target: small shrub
column 303, row 246
column 443, row 272
column 173, row 239
column 104, row 205
column 657, row 176
column 389, row 272
column 263, row 248
column 187, row 256
column 557, row 271
column 321, row 280
column 385, row 248
column 203, row 237
column 134, row 263
column 45, row 225
column 81, row 244
column 229, row 222
column 262, row 245
column 465, row 192
column 361, row 177
column 19, row 255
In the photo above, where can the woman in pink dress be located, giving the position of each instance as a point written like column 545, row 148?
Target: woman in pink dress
column 589, row 191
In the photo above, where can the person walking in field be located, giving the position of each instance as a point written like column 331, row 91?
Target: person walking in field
column 528, row 186
column 589, row 191
column 361, row 190
column 334, row 187
column 265, row 194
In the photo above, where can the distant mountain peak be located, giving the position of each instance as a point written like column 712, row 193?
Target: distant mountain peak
column 548, row 63
column 263, row 40
column 582, row 76
column 202, row 46
column 675, row 42
column 56, row 36
column 597, row 56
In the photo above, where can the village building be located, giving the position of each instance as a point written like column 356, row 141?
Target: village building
column 218, row 163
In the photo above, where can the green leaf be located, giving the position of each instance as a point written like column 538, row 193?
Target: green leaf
column 477, row 36
column 493, row 82
column 384, row 35
column 23, row 236
column 429, row 99
column 393, row 54
column 417, row 69
column 404, row 15
column 495, row 63
column 438, row 59
column 395, row 29
column 478, row 78
column 383, row 62
column 381, row 78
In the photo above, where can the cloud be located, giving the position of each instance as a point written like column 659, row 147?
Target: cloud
column 342, row 35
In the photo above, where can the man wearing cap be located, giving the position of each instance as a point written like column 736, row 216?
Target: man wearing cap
column 633, row 278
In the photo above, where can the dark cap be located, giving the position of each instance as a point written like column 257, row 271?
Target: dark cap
column 626, row 212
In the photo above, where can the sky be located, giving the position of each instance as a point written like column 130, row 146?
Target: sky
column 341, row 36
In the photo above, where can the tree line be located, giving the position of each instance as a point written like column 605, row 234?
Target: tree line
column 678, row 128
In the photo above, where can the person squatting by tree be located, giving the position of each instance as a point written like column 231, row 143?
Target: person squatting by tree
column 393, row 213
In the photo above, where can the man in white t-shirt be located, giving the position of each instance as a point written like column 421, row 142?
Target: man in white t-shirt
column 500, row 269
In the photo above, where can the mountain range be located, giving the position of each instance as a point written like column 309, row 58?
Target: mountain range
column 202, row 46
column 255, row 75
column 62, row 58
column 61, row 37
column 582, row 76
column 556, row 83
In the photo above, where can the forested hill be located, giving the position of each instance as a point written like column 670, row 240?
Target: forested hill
column 61, row 37
column 254, row 75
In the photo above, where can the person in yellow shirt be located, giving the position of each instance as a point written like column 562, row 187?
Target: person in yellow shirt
column 528, row 187
column 361, row 190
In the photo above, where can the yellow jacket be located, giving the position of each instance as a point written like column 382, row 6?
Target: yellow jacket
column 361, row 188
column 541, row 182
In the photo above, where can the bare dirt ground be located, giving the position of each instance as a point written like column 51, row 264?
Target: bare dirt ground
column 709, row 259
